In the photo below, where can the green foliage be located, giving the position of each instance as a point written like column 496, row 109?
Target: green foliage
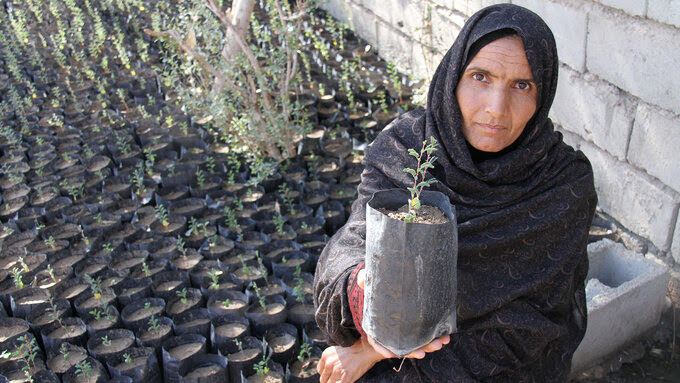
column 425, row 161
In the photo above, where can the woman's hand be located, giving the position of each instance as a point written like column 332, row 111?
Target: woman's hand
column 348, row 364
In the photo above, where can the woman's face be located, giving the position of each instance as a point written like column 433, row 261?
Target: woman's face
column 496, row 95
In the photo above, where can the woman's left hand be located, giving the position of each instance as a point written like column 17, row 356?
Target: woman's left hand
column 347, row 364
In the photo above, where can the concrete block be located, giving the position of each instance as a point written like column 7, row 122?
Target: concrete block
column 595, row 110
column 469, row 7
column 445, row 27
column 394, row 46
column 665, row 11
column 425, row 61
column 675, row 248
column 625, row 295
column 569, row 138
column 638, row 202
column 569, row 26
column 443, row 3
column 364, row 23
column 633, row 7
column 635, row 55
column 654, row 144
column 382, row 9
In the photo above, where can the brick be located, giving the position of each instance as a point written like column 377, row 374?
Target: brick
column 424, row 61
column 665, row 11
column 635, row 56
column 594, row 110
column 633, row 198
column 569, row 26
column 446, row 26
column 654, row 144
column 675, row 248
column 469, row 7
column 394, row 46
column 633, row 7
column 569, row 138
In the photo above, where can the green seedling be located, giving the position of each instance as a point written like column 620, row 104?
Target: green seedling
column 63, row 350
column 145, row 269
column 106, row 341
column 50, row 271
column 180, row 247
column 200, row 178
column 84, row 369
column 244, row 267
column 305, row 354
column 279, row 221
column 261, row 368
column 162, row 214
column 26, row 352
column 261, row 299
column 226, row 303
column 16, row 276
column 127, row 358
column 54, row 313
column 51, row 242
column 238, row 344
column 182, row 294
column 214, row 275
column 425, row 161
column 154, row 324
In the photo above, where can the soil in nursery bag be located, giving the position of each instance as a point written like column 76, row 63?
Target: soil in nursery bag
column 411, row 279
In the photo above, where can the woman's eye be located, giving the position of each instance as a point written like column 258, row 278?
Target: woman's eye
column 478, row 76
column 523, row 85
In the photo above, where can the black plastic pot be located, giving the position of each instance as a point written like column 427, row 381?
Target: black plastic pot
column 195, row 321
column 136, row 314
column 225, row 329
column 184, row 302
column 138, row 363
column 97, row 374
column 283, row 340
column 204, row 368
column 67, row 355
column 264, row 318
column 132, row 289
column 242, row 359
column 44, row 314
column 177, row 349
column 420, row 266
column 236, row 300
column 106, row 345
column 292, row 259
column 304, row 371
column 73, row 331
column 26, row 299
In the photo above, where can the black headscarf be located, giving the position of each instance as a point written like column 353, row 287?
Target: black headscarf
column 523, row 219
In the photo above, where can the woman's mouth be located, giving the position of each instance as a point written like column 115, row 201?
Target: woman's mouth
column 491, row 127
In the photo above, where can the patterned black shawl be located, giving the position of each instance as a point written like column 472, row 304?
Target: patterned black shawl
column 523, row 226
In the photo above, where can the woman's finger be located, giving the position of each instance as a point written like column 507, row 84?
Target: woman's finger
column 325, row 368
column 445, row 339
column 416, row 354
column 361, row 278
column 433, row 346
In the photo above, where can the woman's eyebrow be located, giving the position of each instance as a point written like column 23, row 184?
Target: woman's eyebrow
column 486, row 72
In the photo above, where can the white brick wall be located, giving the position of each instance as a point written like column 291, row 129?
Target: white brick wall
column 618, row 96
column 675, row 249
column 569, row 26
column 665, row 11
column 594, row 110
column 633, row 198
column 655, row 144
column 635, row 55
column 633, row 7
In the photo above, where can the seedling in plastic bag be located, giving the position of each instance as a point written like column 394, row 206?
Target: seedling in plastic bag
column 418, row 175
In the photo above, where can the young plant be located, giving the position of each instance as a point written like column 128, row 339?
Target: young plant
column 106, row 341
column 180, row 247
column 226, row 303
column 305, row 354
column 63, row 350
column 51, row 242
column 244, row 267
column 154, row 324
column 200, row 178
column 50, row 271
column 16, row 276
column 279, row 221
column 162, row 214
column 197, row 227
column 287, row 196
column 182, row 294
column 84, row 369
column 26, row 352
column 238, row 344
column 127, row 358
column 262, row 368
column 95, row 286
column 54, row 313
column 214, row 279
column 261, row 299
column 145, row 268
column 425, row 161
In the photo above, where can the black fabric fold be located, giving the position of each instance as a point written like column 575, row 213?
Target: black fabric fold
column 523, row 217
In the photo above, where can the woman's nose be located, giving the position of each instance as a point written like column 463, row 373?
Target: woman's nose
column 497, row 103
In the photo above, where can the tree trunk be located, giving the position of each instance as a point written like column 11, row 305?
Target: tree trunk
column 240, row 18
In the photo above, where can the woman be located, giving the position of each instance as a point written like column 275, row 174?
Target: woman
column 524, row 200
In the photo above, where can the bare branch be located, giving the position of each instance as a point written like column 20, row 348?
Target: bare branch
column 174, row 35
